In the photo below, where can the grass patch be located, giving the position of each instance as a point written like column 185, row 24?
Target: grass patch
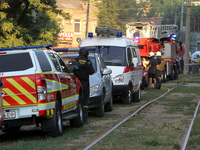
column 160, row 137
column 153, row 93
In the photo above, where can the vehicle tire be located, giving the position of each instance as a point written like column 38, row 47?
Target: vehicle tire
column 143, row 85
column 172, row 74
column 78, row 121
column 58, row 131
column 11, row 129
column 109, row 105
column 137, row 96
column 176, row 72
column 129, row 97
column 99, row 112
column 164, row 76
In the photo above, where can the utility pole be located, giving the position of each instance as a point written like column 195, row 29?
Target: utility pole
column 87, row 20
column 187, row 40
column 88, row 10
column 175, row 18
column 181, row 22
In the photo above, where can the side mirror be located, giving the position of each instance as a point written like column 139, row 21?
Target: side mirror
column 107, row 71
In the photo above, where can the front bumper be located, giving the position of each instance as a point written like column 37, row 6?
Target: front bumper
column 120, row 90
column 94, row 102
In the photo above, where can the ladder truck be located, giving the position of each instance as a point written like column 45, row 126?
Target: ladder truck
column 152, row 38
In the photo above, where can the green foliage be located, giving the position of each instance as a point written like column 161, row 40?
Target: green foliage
column 116, row 13
column 108, row 14
column 28, row 22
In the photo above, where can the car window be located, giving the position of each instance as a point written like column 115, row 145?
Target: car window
column 101, row 64
column 134, row 53
column 129, row 56
column 55, row 62
column 16, row 62
column 63, row 65
column 112, row 55
column 43, row 61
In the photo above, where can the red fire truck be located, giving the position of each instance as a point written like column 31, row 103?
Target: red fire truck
column 153, row 38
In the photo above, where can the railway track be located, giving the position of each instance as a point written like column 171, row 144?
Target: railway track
column 135, row 113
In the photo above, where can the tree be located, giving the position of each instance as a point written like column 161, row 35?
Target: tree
column 28, row 22
column 116, row 13
column 108, row 14
column 127, row 13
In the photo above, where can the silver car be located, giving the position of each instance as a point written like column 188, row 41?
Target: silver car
column 100, row 83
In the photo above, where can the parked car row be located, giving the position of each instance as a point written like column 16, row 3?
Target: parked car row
column 41, row 89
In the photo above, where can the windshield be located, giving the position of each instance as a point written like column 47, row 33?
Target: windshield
column 69, row 59
column 112, row 55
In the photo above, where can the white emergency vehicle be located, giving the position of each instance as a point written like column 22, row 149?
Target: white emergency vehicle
column 122, row 56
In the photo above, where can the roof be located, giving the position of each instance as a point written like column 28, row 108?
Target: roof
column 106, row 41
column 70, row 4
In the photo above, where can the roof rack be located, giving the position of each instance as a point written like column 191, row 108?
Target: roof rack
column 27, row 47
column 107, row 31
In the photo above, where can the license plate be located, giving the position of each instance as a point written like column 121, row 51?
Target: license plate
column 10, row 114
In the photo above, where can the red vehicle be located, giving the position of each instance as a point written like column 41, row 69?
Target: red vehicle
column 39, row 89
column 153, row 38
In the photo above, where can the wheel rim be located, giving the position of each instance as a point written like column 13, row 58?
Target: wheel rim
column 129, row 96
column 139, row 93
column 81, row 112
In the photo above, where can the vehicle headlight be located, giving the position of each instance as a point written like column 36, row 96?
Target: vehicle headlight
column 93, row 89
column 119, row 78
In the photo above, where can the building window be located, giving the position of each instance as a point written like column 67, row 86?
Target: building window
column 77, row 28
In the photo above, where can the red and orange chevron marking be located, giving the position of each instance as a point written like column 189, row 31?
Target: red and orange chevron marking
column 19, row 91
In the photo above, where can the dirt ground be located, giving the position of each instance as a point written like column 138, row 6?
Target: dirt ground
column 155, row 115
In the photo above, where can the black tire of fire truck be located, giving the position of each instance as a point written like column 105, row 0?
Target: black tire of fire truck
column 137, row 96
column 57, row 121
column 176, row 72
column 164, row 76
column 99, row 112
column 11, row 129
column 171, row 77
column 129, row 97
column 78, row 121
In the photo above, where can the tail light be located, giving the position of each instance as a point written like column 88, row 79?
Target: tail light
column 41, row 88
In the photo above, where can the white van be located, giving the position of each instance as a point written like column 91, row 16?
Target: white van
column 123, row 57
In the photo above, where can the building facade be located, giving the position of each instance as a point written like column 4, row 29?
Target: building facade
column 83, row 20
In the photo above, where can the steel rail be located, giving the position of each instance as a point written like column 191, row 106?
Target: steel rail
column 190, row 127
column 116, row 126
